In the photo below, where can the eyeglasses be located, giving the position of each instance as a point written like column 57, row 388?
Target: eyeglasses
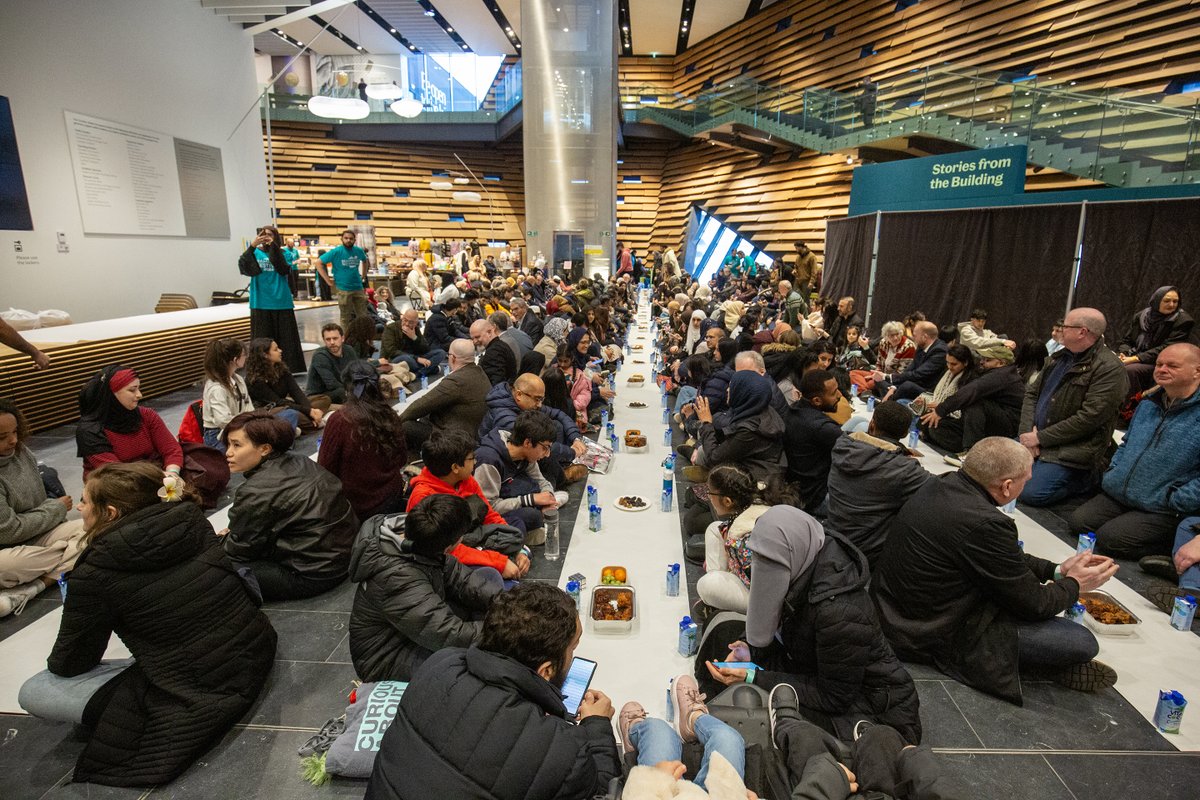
column 1077, row 327
column 537, row 398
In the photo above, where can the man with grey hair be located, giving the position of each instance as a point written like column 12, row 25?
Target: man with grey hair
column 955, row 590
column 752, row 361
column 1070, row 409
column 794, row 309
column 496, row 358
column 517, row 341
column 525, row 320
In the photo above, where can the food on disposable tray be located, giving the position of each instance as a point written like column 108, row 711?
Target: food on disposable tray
column 636, row 404
column 612, row 604
column 1107, row 612
column 631, row 501
column 637, row 347
column 634, row 438
column 637, row 377
column 611, row 575
column 639, row 361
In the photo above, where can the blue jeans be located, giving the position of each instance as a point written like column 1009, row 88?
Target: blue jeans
column 1054, row 482
column 435, row 358
column 1190, row 579
column 685, row 395
column 1054, row 642
column 58, row 699
column 657, row 741
column 212, row 438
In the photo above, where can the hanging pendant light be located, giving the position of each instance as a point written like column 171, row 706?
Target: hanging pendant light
column 467, row 197
column 384, row 91
column 409, row 107
column 338, row 107
column 441, row 186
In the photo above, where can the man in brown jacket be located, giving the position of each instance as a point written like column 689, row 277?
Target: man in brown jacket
column 456, row 402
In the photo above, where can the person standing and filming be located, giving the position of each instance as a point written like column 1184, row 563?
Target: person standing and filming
column 272, row 312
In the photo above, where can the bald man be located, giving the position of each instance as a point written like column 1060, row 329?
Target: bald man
column 924, row 372
column 456, row 402
column 496, row 358
column 528, row 393
column 1070, row 409
column 1154, row 478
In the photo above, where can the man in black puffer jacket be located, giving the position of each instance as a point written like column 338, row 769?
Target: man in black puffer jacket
column 443, row 325
column 488, row 722
column 413, row 599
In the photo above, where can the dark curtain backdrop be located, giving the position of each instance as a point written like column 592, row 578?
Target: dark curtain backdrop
column 1015, row 262
column 1130, row 249
column 848, row 245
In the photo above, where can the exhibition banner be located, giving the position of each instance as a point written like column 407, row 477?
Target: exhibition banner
column 938, row 181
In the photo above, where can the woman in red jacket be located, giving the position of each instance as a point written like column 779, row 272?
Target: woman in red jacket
column 114, row 429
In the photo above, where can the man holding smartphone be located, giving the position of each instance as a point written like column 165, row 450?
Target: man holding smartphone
column 350, row 267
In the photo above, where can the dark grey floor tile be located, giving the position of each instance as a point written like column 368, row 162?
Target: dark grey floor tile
column 92, row 791
column 1166, row 777
column 34, row 755
column 303, row 695
column 1007, row 777
column 341, row 653
column 942, row 723
column 35, row 609
column 1054, row 718
column 307, row 635
column 924, row 672
column 258, row 764
column 339, row 598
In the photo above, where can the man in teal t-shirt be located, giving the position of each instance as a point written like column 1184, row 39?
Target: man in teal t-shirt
column 349, row 277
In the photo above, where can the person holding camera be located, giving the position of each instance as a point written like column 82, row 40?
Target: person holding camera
column 272, row 312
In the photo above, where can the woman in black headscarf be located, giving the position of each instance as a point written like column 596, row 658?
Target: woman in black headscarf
column 812, row 625
column 1159, row 324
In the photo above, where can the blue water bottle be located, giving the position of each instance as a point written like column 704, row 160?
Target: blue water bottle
column 593, row 496
column 667, row 495
column 604, row 418
column 573, row 590
column 615, row 443
column 672, row 580
column 871, row 403
column 424, row 382
column 667, row 436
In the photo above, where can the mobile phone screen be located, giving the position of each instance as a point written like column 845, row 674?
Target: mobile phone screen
column 736, row 665
column 579, row 678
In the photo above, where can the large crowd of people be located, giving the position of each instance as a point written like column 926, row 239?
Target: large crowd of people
column 814, row 520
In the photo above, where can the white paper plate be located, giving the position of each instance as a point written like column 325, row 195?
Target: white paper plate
column 631, row 510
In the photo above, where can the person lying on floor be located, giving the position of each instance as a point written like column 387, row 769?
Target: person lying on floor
column 449, row 459
column 37, row 541
column 152, row 573
column 413, row 597
column 290, row 522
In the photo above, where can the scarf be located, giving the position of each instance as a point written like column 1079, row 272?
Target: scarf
column 556, row 329
column 749, row 394
column 694, row 332
column 578, row 360
column 99, row 410
column 1151, row 320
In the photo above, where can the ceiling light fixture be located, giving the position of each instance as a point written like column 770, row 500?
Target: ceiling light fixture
column 408, row 108
column 338, row 107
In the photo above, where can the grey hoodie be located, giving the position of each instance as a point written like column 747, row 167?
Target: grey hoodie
column 869, row 479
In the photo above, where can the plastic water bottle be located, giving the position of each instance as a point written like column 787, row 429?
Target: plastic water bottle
column 871, row 403
column 424, row 382
column 1087, row 543
column 666, row 414
column 672, row 580
column 604, row 419
column 1010, row 507
column 666, row 500
column 668, row 474
column 854, row 391
column 1183, row 613
column 688, row 635
column 594, row 521
column 551, row 550
column 401, row 396
column 667, row 436
column 62, row 585
column 914, row 438
column 627, row 351
column 615, row 442
column 593, row 496
column 573, row 590
column 665, row 400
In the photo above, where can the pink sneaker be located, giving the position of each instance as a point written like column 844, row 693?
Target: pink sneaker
column 687, row 702
column 631, row 712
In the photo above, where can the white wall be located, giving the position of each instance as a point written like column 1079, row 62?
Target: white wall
column 166, row 65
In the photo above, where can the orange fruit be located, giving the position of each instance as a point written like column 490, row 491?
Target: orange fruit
column 620, row 574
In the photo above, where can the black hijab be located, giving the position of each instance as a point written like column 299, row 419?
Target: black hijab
column 1151, row 321
column 99, row 410
column 749, row 394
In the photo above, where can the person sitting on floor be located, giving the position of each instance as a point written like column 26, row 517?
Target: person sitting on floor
column 809, row 436
column 37, row 541
column 1181, row 568
column 444, row 324
column 225, row 392
column 810, row 623
column 152, row 573
column 737, row 501
column 990, row 403
column 471, row 715
column 325, row 371
column 960, row 366
column 290, row 522
column 508, row 474
column 922, row 375
column 527, row 393
column 273, row 387
column 456, row 402
column 955, row 590
column 413, row 597
column 895, row 350
column 363, row 446
column 496, row 358
column 114, row 429
column 1154, row 477
column 871, row 475
column 1070, row 410
column 403, row 342
column 975, row 335
column 1159, row 324
column 449, row 463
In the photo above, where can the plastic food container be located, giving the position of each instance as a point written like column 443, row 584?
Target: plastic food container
column 634, row 435
column 1108, row 629
column 624, row 610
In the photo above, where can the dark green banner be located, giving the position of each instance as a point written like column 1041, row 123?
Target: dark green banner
column 936, row 181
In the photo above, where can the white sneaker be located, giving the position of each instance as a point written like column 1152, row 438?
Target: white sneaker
column 12, row 601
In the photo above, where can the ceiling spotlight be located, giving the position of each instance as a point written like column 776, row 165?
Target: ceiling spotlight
column 465, row 47
column 566, row 30
column 391, row 30
column 431, row 13
column 449, row 30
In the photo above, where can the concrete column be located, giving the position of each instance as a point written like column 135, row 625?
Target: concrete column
column 569, row 94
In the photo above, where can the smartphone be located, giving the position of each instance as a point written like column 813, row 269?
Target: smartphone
column 736, row 665
column 579, row 678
